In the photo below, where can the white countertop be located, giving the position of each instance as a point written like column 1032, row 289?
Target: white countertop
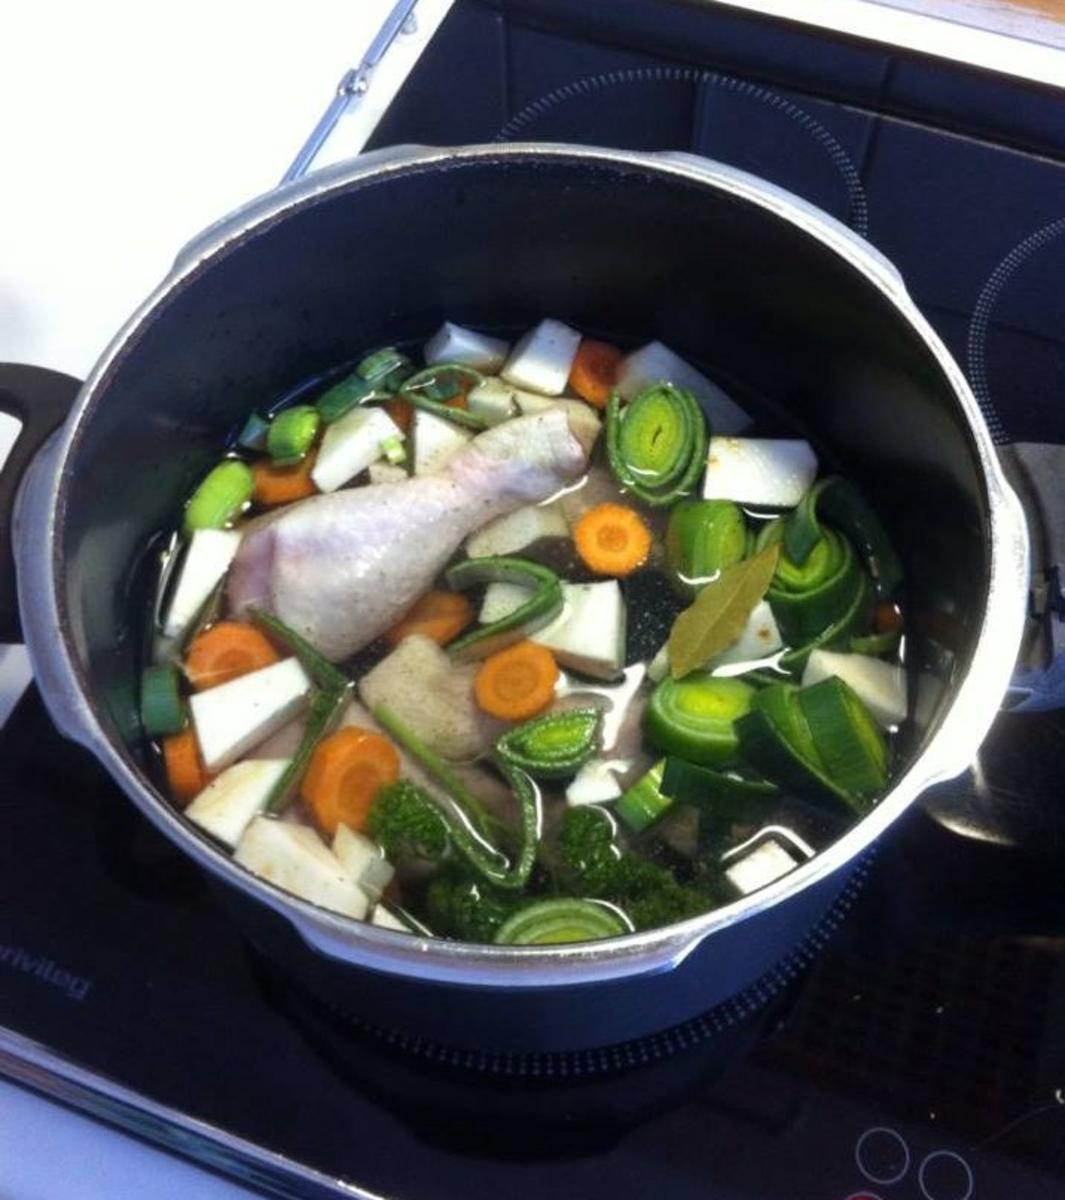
column 126, row 128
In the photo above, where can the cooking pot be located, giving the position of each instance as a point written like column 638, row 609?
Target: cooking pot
column 771, row 296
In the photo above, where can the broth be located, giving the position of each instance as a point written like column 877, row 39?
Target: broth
column 524, row 784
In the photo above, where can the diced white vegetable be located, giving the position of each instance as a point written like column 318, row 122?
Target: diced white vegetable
column 386, row 472
column 234, row 717
column 584, row 422
column 296, row 859
column 350, row 445
column 516, row 530
column 493, row 401
column 542, row 359
column 769, row 860
column 596, row 782
column 457, row 344
column 227, row 804
column 588, row 635
column 760, row 637
column 207, row 559
column 501, row 599
column 387, row 920
column 436, row 441
column 775, row 472
column 881, row 685
column 656, row 363
column 364, row 861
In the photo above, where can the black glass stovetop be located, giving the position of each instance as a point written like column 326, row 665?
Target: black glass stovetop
column 925, row 1043
column 921, row 1056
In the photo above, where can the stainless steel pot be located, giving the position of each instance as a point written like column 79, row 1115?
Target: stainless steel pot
column 770, row 292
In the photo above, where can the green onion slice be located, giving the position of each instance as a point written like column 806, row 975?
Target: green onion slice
column 162, row 709
column 292, row 433
column 695, row 717
column 541, row 608
column 552, row 746
column 221, row 497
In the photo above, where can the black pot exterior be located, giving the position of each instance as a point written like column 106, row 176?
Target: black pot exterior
column 622, row 245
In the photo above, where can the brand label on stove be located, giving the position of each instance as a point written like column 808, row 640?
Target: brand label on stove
column 75, row 987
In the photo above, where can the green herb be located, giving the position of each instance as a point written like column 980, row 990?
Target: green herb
column 720, row 612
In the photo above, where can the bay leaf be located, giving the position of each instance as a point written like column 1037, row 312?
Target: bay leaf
column 720, row 611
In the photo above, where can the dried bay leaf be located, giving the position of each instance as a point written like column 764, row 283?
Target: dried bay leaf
column 720, row 611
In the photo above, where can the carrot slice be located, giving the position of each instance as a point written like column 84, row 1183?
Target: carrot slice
column 462, row 400
column 401, row 411
column 595, row 371
column 345, row 772
column 226, row 651
column 185, row 772
column 275, row 485
column 612, row 539
column 441, row 616
column 516, row 683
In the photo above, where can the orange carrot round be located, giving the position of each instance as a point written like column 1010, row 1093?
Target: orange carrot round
column 226, row 651
column 344, row 774
column 185, row 772
column 401, row 411
column 516, row 683
column 594, row 373
column 612, row 539
column 282, row 485
column 441, row 616
column 887, row 618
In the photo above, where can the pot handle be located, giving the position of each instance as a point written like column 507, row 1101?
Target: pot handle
column 41, row 400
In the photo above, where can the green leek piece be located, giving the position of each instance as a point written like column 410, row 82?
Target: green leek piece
column 656, row 444
column 253, row 434
column 838, row 634
column 808, row 598
column 326, row 677
column 386, row 368
column 539, row 610
column 221, row 497
column 467, row 820
column 292, row 433
column 839, row 501
column 729, row 795
column 776, row 738
column 694, row 717
column 553, row 746
column 702, row 537
column 848, row 740
column 326, row 709
column 645, row 803
column 430, row 389
column 876, row 644
column 394, row 450
column 563, row 919
column 162, row 710
column 342, row 397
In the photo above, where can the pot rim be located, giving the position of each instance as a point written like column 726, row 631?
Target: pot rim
column 950, row 749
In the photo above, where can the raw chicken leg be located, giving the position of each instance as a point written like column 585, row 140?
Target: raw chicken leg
column 341, row 568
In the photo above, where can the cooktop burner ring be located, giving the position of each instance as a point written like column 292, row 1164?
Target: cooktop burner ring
column 857, row 205
column 980, row 325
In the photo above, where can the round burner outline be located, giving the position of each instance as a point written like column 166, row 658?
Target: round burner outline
column 979, row 326
column 857, row 216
